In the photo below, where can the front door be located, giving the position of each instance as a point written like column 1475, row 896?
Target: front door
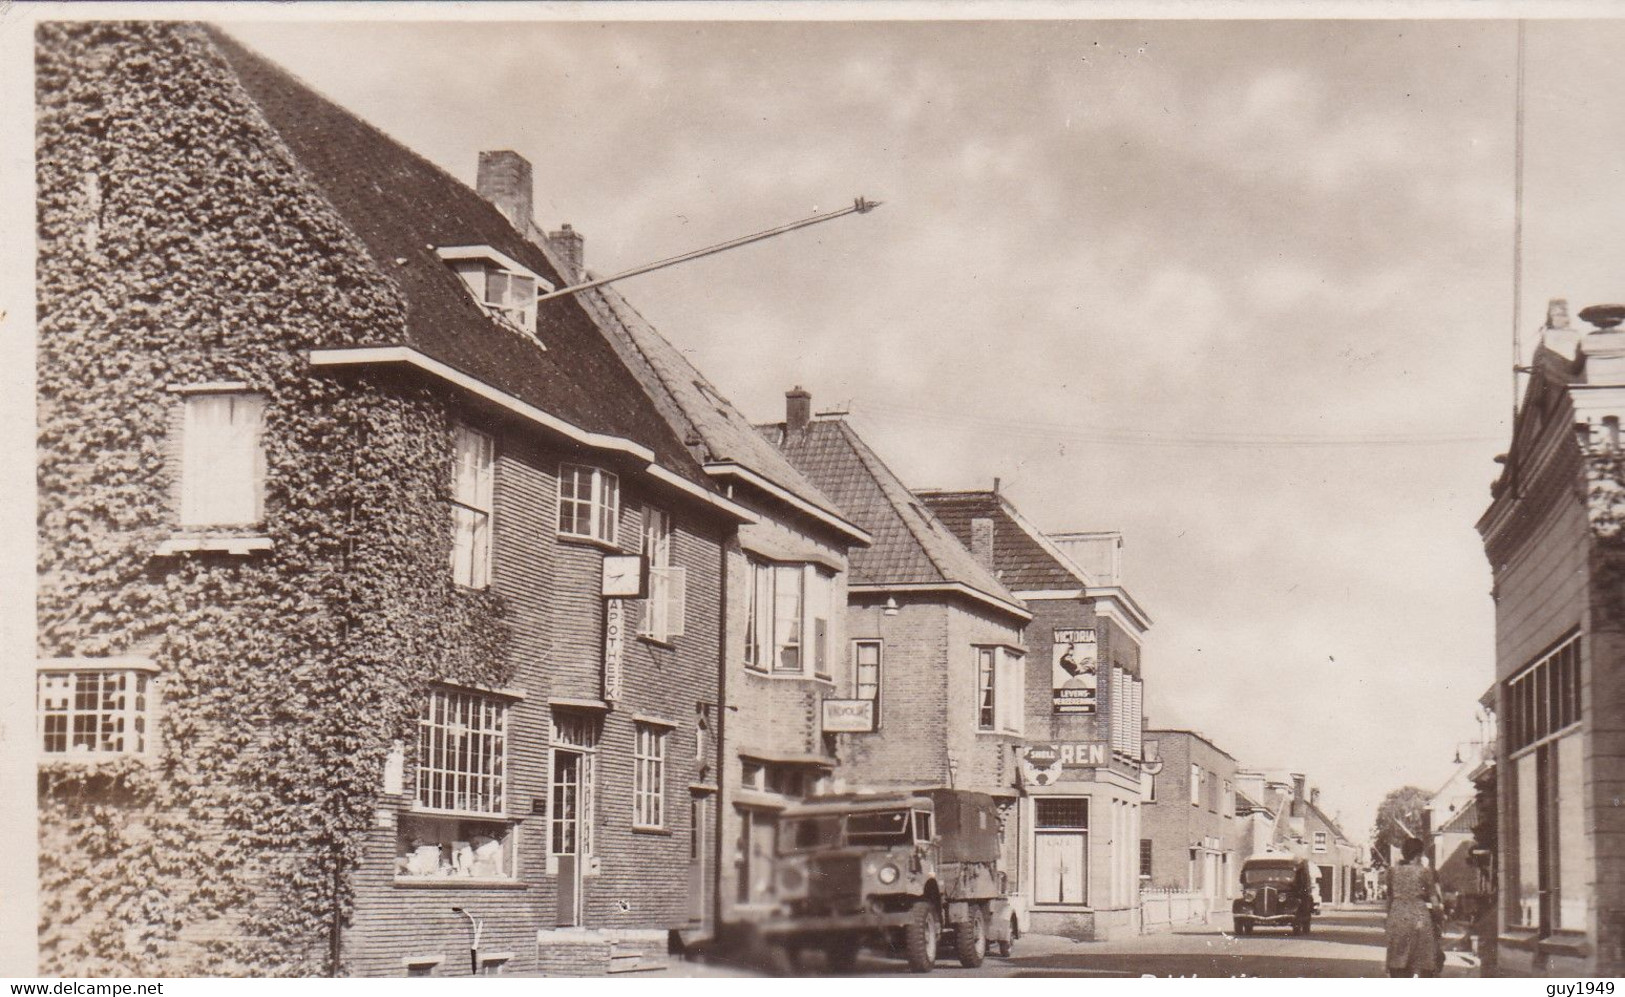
column 700, row 880
column 569, row 791
column 1325, row 883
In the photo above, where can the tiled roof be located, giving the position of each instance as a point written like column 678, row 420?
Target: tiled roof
column 910, row 545
column 1022, row 559
column 691, row 402
column 402, row 207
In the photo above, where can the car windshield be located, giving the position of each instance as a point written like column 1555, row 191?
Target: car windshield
column 888, row 828
column 1267, row 875
column 804, row 834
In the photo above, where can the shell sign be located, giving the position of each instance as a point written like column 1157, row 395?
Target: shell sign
column 1046, row 764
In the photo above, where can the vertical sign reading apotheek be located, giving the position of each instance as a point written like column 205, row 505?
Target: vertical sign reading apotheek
column 614, row 644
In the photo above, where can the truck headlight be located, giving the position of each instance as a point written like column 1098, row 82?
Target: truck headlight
column 888, row 874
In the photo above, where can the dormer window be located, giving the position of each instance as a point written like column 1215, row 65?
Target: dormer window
column 500, row 284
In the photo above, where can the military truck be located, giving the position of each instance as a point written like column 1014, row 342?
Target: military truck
column 903, row 872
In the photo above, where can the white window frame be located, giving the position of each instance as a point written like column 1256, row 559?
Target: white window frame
column 222, row 468
column 664, row 609
column 1001, row 675
column 649, row 753
column 1321, row 841
column 602, row 503
column 477, row 265
column 770, row 632
column 459, row 791
column 472, row 506
column 1196, row 785
column 120, row 727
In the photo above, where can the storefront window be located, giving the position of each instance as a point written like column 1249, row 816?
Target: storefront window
column 1060, row 850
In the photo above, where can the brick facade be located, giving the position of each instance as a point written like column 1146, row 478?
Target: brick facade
column 1193, row 844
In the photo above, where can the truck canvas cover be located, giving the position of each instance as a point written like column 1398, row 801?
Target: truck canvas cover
column 967, row 825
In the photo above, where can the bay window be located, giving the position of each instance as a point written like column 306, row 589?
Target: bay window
column 1000, row 685
column 589, row 503
column 787, row 620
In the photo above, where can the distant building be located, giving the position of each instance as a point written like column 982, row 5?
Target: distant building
column 1554, row 534
column 1298, row 826
column 1084, row 760
column 1189, row 829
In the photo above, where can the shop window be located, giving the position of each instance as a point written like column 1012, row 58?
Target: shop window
column 589, row 503
column 664, row 608
column 1060, row 850
column 471, row 508
column 458, row 828
column 223, row 460
column 93, row 712
column 1544, row 698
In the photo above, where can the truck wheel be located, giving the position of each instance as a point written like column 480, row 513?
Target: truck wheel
column 970, row 938
column 841, row 955
column 921, row 936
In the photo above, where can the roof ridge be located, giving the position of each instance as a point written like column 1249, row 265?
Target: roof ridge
column 1050, row 546
column 600, row 296
column 949, row 573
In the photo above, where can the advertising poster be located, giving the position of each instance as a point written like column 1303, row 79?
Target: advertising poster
column 1074, row 667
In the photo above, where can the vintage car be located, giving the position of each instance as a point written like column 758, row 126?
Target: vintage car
column 1277, row 891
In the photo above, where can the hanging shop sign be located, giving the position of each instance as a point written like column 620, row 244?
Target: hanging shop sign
column 1074, row 666
column 849, row 716
column 1045, row 764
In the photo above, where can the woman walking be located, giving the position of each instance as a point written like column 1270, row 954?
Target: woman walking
column 1413, row 898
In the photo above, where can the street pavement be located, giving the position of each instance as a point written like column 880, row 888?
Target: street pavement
column 1343, row 943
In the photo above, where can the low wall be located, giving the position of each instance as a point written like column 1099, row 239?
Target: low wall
column 1161, row 910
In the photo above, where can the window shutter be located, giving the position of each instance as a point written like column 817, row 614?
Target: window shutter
column 676, row 600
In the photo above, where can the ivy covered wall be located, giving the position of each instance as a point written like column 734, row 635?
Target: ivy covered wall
column 180, row 243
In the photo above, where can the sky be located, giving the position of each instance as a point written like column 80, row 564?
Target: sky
column 1242, row 290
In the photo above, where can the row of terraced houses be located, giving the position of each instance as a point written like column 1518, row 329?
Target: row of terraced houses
column 396, row 622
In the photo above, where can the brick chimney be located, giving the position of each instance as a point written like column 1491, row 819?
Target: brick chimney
column 1298, row 781
column 571, row 251
column 797, row 409
column 981, row 541
column 1314, row 796
column 504, row 180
